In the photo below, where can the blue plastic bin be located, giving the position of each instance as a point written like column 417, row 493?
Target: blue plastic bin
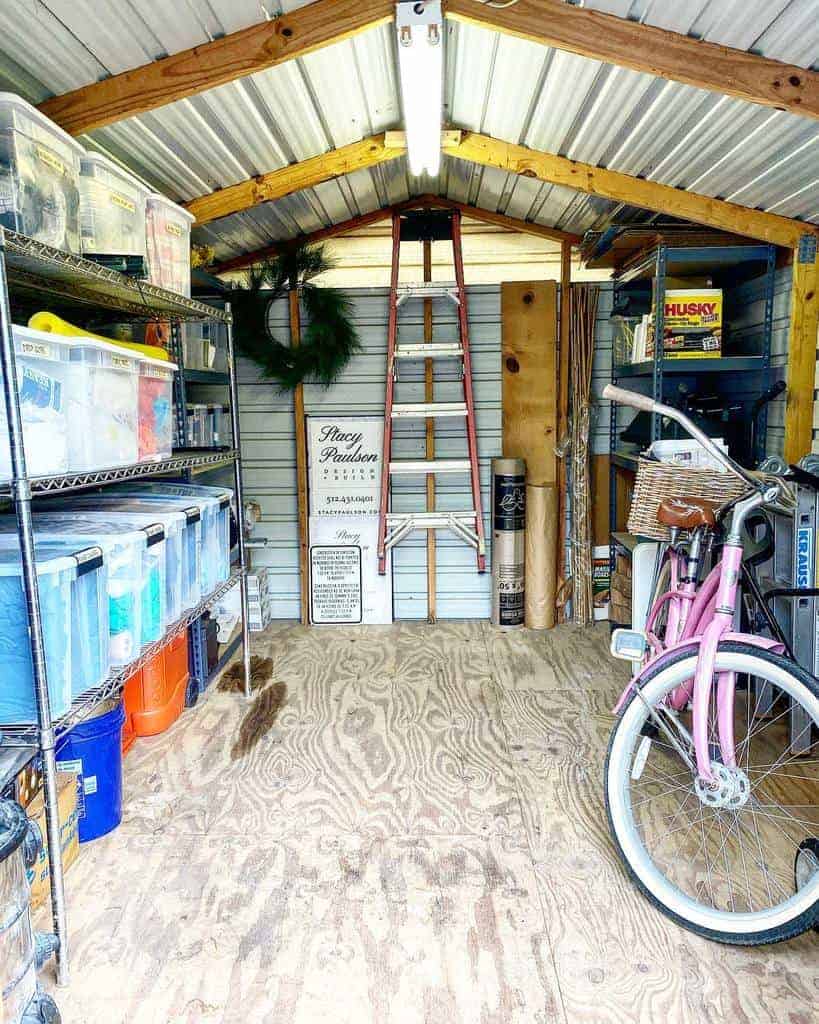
column 124, row 552
column 93, row 749
column 55, row 577
column 214, row 504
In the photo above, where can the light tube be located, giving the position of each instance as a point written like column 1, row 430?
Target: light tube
column 421, row 69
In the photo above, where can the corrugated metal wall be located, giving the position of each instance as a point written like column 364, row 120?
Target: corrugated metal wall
column 268, row 445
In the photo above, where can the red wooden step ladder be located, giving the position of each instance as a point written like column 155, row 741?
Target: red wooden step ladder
column 467, row 524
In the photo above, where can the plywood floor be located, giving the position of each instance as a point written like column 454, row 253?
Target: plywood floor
column 419, row 839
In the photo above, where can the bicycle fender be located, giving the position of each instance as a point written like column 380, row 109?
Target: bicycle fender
column 765, row 643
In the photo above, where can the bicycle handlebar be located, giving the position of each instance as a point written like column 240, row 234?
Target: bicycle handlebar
column 647, row 404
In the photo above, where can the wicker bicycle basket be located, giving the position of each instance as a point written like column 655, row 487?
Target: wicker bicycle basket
column 658, row 480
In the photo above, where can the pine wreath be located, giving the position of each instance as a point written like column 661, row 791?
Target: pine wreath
column 329, row 340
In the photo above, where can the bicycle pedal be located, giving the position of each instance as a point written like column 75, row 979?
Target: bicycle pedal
column 628, row 644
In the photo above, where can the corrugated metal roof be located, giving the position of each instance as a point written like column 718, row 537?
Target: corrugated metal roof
column 512, row 89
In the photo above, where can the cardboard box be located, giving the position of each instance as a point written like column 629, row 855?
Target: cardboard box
column 698, row 309
column 39, row 875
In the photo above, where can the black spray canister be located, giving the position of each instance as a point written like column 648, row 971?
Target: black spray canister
column 508, row 520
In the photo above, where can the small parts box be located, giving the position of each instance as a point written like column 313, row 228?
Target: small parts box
column 155, row 695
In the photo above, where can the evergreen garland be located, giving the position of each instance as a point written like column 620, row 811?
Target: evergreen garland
column 329, row 340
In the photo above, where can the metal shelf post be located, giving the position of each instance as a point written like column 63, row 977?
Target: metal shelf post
column 659, row 340
column 237, row 476
column 21, row 493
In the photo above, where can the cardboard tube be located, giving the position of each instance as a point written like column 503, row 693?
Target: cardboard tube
column 541, row 563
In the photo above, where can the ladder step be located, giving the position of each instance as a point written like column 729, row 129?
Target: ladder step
column 404, row 466
column 429, row 350
column 426, row 290
column 430, row 520
column 414, row 410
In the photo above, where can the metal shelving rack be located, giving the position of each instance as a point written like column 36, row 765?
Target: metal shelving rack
column 659, row 263
column 32, row 269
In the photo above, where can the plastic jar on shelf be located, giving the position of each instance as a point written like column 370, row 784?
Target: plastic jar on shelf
column 112, row 208
column 55, row 577
column 155, row 404
column 219, row 428
column 168, row 229
column 102, row 406
column 43, row 374
column 39, row 176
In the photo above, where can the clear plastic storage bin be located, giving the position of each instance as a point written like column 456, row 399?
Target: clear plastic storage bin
column 102, row 405
column 112, row 208
column 182, row 539
column 39, row 176
column 55, row 577
column 89, row 606
column 168, row 229
column 214, row 505
column 124, row 553
column 42, row 383
column 155, row 402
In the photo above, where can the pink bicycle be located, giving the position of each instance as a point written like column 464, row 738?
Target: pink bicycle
column 712, row 802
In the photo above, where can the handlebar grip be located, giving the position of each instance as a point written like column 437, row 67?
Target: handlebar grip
column 633, row 398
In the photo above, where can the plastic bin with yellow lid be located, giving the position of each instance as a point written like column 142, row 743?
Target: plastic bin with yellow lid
column 50, row 323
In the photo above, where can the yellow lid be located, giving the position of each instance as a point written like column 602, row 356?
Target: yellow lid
column 50, row 323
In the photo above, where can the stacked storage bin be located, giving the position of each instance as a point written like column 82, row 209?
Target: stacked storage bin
column 134, row 573
column 74, row 630
column 43, row 384
column 112, row 214
column 102, row 403
column 214, row 506
column 183, row 538
column 169, row 244
column 39, row 176
column 155, row 419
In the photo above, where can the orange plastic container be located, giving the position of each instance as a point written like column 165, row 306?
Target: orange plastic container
column 155, row 695
column 128, row 734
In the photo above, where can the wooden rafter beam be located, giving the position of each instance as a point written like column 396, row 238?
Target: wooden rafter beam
column 293, row 178
column 373, row 217
column 204, row 67
column 619, row 187
column 654, row 51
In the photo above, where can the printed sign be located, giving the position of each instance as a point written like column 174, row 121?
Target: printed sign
column 344, row 583
column 344, row 464
column 804, row 557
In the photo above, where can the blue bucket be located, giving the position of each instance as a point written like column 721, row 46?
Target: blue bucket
column 94, row 750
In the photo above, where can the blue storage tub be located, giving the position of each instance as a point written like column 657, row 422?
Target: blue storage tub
column 124, row 553
column 93, row 749
column 182, row 520
column 214, row 504
column 55, row 577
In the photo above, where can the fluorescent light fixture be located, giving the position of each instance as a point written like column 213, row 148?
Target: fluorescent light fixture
column 421, row 66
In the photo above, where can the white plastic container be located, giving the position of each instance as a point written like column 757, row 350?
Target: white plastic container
column 112, row 208
column 102, row 405
column 42, row 383
column 54, row 580
column 168, row 230
column 155, row 402
column 39, row 176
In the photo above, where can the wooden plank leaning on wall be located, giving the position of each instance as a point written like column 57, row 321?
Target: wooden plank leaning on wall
column 530, row 418
column 802, row 343
column 301, row 467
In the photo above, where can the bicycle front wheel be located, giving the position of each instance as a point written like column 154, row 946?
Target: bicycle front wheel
column 719, row 859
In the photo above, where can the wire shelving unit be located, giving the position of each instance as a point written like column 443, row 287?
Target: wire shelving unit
column 31, row 269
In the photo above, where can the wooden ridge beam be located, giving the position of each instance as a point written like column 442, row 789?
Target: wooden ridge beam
column 619, row 187
column 654, row 51
column 204, row 67
column 293, row 178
